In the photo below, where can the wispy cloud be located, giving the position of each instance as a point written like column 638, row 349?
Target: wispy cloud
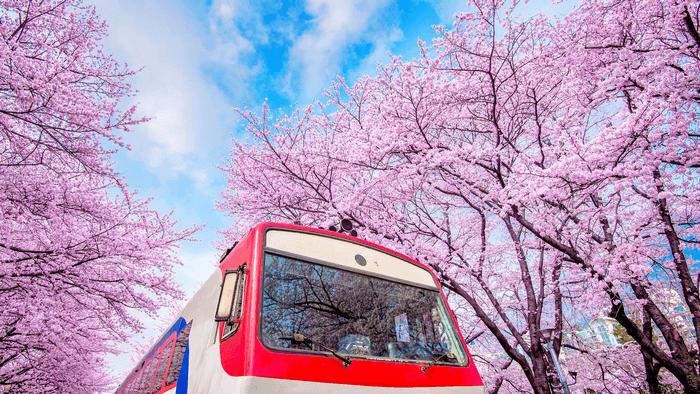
column 191, row 114
column 317, row 55
column 232, row 18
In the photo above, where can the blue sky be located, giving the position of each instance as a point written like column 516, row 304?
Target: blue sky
column 198, row 60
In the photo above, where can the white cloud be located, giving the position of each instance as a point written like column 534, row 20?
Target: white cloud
column 225, row 11
column 191, row 115
column 317, row 55
column 227, row 16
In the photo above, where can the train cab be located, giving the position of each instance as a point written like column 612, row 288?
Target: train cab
column 293, row 309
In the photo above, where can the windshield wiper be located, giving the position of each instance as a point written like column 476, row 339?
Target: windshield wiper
column 447, row 356
column 300, row 338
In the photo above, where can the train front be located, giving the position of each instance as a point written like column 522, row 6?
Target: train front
column 329, row 313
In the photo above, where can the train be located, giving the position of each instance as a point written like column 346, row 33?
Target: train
column 295, row 309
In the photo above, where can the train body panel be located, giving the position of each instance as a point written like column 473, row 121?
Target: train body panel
column 260, row 385
column 203, row 344
column 293, row 309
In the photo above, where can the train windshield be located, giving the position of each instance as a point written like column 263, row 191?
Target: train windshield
column 354, row 314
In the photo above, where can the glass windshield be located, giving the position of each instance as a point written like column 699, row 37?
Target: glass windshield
column 354, row 313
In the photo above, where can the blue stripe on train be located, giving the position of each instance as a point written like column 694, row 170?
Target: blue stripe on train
column 176, row 327
column 179, row 324
column 184, row 372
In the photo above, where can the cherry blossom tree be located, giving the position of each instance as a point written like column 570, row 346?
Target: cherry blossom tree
column 626, row 198
column 546, row 170
column 596, row 157
column 78, row 249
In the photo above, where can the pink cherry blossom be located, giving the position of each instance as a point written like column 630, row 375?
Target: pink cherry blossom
column 78, row 249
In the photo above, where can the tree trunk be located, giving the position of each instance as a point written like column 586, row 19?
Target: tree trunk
column 651, row 372
column 679, row 362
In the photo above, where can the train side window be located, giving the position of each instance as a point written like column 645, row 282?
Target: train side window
column 152, row 374
column 134, row 384
column 144, row 387
column 127, row 389
column 231, row 301
column 178, row 354
column 137, row 382
column 130, row 386
column 164, row 362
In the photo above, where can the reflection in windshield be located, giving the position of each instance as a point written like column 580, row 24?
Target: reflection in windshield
column 353, row 313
